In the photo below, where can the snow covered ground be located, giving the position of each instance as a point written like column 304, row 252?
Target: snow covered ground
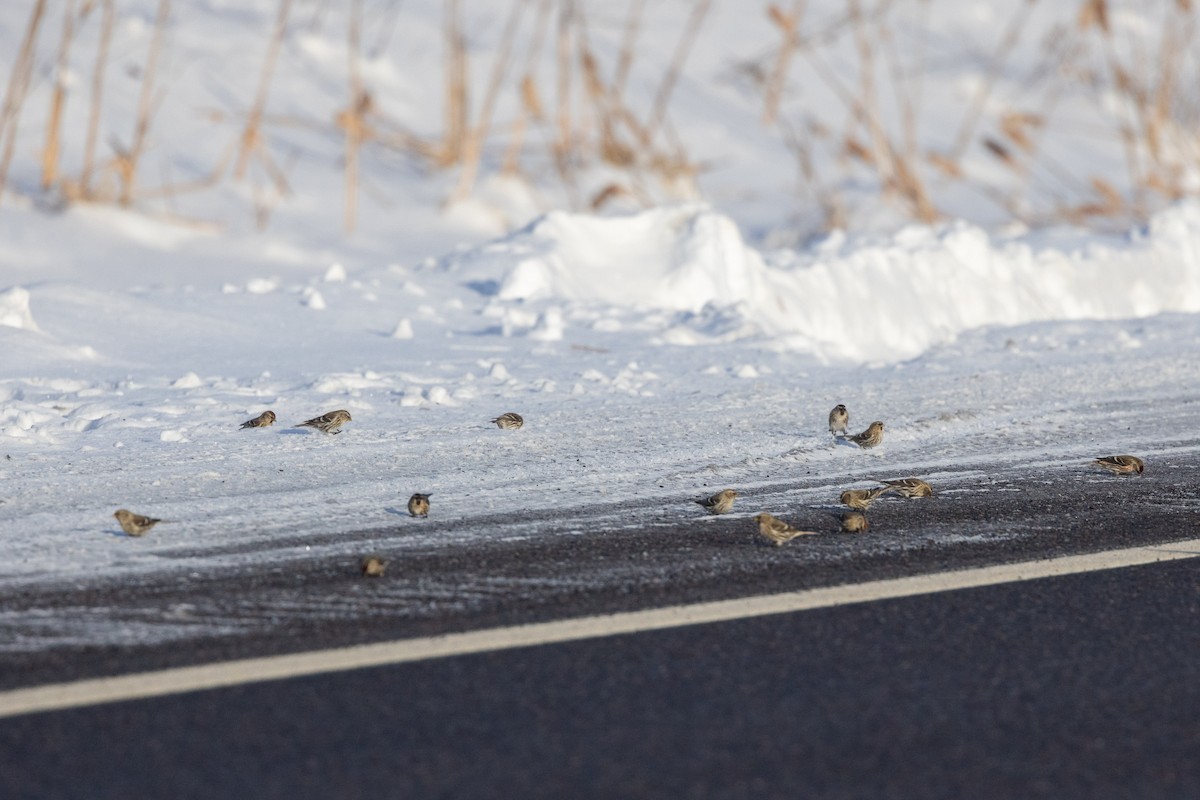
column 655, row 355
column 669, row 360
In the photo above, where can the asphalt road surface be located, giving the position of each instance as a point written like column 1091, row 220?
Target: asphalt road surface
column 1078, row 686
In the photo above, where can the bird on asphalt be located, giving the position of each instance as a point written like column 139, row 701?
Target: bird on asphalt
column 263, row 420
column 509, row 421
column 861, row 499
column 1121, row 465
column 329, row 423
column 839, row 418
column 909, row 487
column 372, row 566
column 777, row 531
column 418, row 505
column 719, row 503
column 854, row 522
column 134, row 524
column 872, row 436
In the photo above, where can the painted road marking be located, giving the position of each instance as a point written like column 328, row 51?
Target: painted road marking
column 95, row 691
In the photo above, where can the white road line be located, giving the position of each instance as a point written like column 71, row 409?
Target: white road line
column 136, row 686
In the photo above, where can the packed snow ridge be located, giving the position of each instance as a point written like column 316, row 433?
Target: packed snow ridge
column 845, row 299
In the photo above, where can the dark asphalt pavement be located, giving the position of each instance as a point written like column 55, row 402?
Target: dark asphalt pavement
column 1074, row 687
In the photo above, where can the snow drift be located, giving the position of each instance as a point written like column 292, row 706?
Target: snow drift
column 857, row 299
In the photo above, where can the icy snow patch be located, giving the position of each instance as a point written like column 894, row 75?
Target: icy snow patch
column 14, row 309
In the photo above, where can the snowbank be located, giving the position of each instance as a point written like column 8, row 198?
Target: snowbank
column 845, row 299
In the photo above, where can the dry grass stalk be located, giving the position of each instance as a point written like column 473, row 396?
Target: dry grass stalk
column 50, row 152
column 252, row 138
column 473, row 145
column 970, row 121
column 127, row 163
column 789, row 24
column 633, row 24
column 1017, row 127
column 1094, row 13
column 456, row 83
column 98, row 72
column 18, row 85
column 530, row 106
column 564, row 143
column 667, row 86
column 353, row 119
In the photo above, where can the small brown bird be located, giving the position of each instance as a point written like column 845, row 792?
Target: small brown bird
column 418, row 505
column 263, row 420
column 372, row 566
column 510, row 421
column 909, row 487
column 861, row 499
column 329, row 423
column 134, row 524
column 854, row 522
column 839, row 418
column 1121, row 465
column 872, row 436
column 719, row 503
column 777, row 531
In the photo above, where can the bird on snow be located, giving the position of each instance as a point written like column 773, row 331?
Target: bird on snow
column 777, row 531
column 329, row 423
column 854, row 522
column 719, row 503
column 1121, row 465
column 134, row 524
column 418, row 505
column 861, row 499
column 509, row 421
column 839, row 418
column 263, row 420
column 909, row 487
column 872, row 436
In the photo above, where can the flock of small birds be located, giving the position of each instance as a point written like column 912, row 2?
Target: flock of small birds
column 771, row 528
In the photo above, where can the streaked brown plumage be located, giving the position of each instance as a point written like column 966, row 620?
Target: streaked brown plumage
column 909, row 487
column 719, row 503
column 418, row 505
column 861, row 499
column 777, row 531
column 854, row 522
column 872, row 436
column 509, row 421
column 329, row 423
column 839, row 418
column 372, row 566
column 1121, row 465
column 263, row 420
column 134, row 524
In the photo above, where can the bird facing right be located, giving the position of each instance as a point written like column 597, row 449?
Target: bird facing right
column 777, row 531
column 1121, row 465
column 509, row 421
column 329, row 423
column 134, row 524
column 839, row 418
column 719, row 503
column 418, row 505
column 872, row 436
